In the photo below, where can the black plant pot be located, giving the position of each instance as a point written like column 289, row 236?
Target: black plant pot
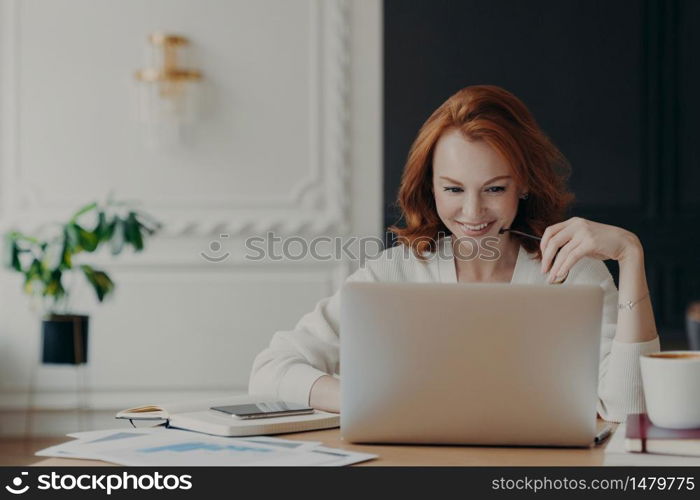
column 65, row 339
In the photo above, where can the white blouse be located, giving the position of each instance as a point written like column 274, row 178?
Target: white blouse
column 296, row 358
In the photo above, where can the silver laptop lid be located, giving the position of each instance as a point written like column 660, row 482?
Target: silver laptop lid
column 497, row 364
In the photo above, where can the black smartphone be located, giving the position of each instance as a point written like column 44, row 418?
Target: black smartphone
column 267, row 409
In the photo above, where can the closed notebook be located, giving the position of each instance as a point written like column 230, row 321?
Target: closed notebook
column 644, row 437
column 163, row 411
column 222, row 424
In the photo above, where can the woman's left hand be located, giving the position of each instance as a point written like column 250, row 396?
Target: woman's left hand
column 577, row 238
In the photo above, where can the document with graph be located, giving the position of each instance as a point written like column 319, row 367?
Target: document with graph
column 171, row 447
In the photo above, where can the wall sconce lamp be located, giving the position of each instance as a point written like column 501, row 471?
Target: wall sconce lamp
column 167, row 93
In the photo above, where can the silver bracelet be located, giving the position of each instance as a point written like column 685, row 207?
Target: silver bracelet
column 629, row 304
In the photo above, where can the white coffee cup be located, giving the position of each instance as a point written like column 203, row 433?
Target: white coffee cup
column 671, row 382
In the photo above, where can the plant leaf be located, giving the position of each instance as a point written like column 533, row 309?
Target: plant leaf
column 72, row 238
column 66, row 254
column 34, row 273
column 109, row 229
column 11, row 253
column 54, row 286
column 100, row 281
column 102, row 227
column 88, row 239
column 132, row 232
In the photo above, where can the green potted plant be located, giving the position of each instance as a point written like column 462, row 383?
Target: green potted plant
column 46, row 261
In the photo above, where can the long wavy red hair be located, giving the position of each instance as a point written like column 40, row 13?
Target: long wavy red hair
column 494, row 115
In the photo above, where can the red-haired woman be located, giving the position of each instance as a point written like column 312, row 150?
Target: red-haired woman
column 481, row 163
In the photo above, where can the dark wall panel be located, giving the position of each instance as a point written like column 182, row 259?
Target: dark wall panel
column 613, row 83
column 688, row 104
column 577, row 65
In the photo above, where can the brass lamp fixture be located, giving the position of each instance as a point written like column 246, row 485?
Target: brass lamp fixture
column 167, row 92
column 170, row 78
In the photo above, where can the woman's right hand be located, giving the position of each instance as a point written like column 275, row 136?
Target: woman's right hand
column 325, row 394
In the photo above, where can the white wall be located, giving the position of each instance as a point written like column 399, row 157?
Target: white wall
column 289, row 141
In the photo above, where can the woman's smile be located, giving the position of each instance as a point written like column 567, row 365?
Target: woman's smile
column 475, row 229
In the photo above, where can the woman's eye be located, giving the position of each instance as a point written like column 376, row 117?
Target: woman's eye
column 496, row 189
column 453, row 189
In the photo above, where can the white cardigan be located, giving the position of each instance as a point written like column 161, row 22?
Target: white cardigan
column 295, row 359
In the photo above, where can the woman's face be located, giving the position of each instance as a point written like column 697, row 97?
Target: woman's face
column 475, row 193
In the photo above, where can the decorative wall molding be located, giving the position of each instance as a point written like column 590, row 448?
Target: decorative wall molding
column 316, row 204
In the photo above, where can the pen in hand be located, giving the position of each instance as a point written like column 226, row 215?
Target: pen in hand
column 531, row 236
column 537, row 238
column 603, row 435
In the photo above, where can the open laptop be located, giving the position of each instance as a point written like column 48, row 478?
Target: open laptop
column 483, row 364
